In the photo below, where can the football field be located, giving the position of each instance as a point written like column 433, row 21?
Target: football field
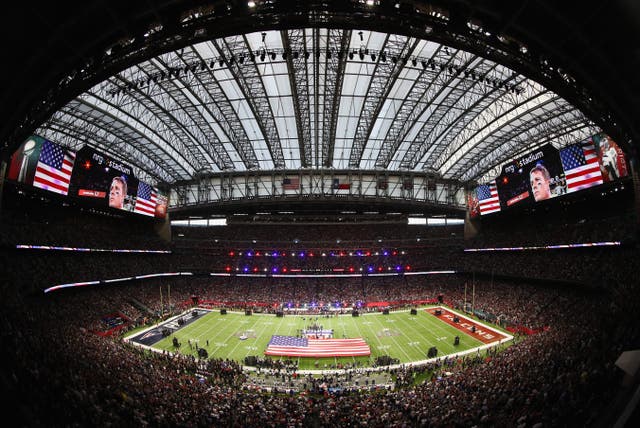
column 399, row 335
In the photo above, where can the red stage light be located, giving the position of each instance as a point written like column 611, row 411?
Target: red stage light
column 87, row 164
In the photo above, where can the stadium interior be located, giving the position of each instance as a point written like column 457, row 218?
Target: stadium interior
column 348, row 158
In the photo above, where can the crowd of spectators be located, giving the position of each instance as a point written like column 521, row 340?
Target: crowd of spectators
column 559, row 377
column 60, row 373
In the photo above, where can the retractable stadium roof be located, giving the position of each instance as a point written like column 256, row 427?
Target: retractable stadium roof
column 183, row 89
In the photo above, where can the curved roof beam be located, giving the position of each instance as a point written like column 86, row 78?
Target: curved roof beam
column 299, row 77
column 151, row 105
column 77, row 132
column 112, row 117
column 169, row 106
column 555, row 117
column 494, row 104
column 450, row 100
column 426, row 101
column 253, row 88
column 384, row 76
column 334, row 79
column 187, row 105
column 217, row 105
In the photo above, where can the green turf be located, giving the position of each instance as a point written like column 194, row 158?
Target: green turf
column 408, row 339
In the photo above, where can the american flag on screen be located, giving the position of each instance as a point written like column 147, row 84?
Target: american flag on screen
column 291, row 183
column 302, row 347
column 53, row 171
column 488, row 200
column 145, row 200
column 581, row 167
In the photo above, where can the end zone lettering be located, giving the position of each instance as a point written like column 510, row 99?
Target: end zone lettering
column 468, row 326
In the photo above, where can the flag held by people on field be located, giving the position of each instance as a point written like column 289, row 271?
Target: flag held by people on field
column 305, row 347
column 581, row 167
column 488, row 200
column 146, row 200
column 53, row 171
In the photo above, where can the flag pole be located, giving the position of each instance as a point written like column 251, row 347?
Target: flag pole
column 464, row 306
column 473, row 293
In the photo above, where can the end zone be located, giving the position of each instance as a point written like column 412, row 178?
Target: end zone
column 479, row 331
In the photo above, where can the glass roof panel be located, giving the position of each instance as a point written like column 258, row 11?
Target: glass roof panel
column 440, row 112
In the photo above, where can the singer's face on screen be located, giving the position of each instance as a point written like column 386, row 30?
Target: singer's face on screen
column 116, row 194
column 540, row 186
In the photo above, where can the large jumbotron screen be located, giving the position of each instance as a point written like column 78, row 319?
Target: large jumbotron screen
column 84, row 174
column 547, row 172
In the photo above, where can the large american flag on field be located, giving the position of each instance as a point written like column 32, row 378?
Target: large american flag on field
column 488, row 200
column 302, row 347
column 53, row 171
column 581, row 167
column 146, row 199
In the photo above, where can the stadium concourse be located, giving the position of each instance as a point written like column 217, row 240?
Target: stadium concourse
column 467, row 163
